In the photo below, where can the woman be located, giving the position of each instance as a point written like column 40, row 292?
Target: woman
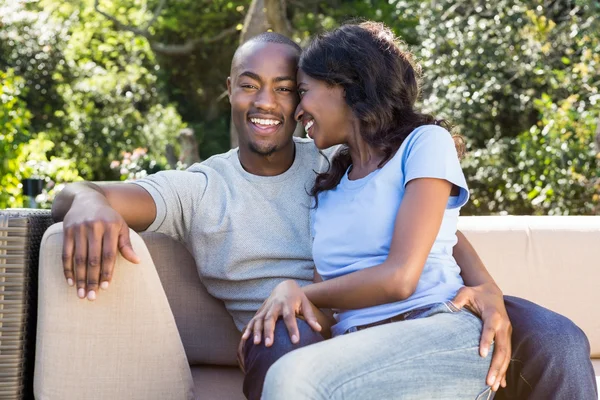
column 384, row 226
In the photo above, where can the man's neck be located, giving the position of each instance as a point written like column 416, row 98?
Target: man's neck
column 271, row 165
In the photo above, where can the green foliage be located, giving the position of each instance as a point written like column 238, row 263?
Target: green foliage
column 485, row 62
column 519, row 78
column 551, row 169
column 23, row 156
column 34, row 162
column 14, row 130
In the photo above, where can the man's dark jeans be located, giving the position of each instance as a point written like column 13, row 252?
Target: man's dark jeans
column 259, row 358
column 550, row 356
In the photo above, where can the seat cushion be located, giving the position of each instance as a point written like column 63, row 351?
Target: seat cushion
column 218, row 383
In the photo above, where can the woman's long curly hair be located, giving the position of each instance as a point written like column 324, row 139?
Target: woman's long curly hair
column 381, row 84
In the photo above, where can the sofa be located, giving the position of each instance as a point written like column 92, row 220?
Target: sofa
column 551, row 260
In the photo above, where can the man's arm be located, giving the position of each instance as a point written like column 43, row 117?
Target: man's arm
column 483, row 296
column 96, row 221
column 130, row 201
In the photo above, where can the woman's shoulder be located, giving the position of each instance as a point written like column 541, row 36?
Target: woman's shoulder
column 427, row 132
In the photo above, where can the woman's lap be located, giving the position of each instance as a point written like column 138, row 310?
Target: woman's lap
column 435, row 356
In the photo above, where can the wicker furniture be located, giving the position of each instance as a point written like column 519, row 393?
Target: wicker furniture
column 21, row 232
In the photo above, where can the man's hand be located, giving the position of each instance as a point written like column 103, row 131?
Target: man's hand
column 94, row 233
column 287, row 300
column 487, row 301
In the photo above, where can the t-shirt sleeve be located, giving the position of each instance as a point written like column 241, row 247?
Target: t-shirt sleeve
column 431, row 153
column 177, row 195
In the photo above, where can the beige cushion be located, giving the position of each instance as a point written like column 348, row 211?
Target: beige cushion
column 207, row 330
column 124, row 345
column 553, row 261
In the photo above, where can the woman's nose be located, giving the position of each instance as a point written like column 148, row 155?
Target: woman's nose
column 299, row 112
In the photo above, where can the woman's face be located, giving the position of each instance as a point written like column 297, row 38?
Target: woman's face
column 323, row 111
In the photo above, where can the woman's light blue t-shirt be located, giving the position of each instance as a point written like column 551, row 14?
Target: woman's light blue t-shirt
column 354, row 223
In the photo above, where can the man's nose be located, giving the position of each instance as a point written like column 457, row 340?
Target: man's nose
column 265, row 100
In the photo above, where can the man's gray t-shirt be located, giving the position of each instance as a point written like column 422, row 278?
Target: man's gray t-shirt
column 247, row 233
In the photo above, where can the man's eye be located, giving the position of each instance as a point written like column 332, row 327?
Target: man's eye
column 284, row 89
column 248, row 86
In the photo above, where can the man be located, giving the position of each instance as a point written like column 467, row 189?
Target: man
column 244, row 217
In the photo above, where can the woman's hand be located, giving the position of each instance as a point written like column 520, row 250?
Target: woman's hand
column 487, row 301
column 288, row 301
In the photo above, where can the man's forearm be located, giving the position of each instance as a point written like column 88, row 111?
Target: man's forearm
column 63, row 202
column 473, row 270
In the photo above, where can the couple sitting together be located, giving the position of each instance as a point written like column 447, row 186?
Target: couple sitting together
column 338, row 257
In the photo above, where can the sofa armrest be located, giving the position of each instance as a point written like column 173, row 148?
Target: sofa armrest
column 21, row 233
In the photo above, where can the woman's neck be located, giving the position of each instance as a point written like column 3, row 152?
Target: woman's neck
column 365, row 158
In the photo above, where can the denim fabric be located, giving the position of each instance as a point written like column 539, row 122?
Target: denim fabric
column 430, row 355
column 550, row 356
column 259, row 358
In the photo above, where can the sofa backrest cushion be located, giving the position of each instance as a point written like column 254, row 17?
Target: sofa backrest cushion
column 551, row 260
column 207, row 331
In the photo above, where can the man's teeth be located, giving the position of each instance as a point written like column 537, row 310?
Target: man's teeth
column 260, row 121
column 309, row 125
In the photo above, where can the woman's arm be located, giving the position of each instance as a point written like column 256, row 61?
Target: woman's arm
column 472, row 269
column 417, row 225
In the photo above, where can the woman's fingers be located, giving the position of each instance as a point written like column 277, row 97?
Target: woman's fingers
column 462, row 298
column 257, row 330
column 248, row 330
column 270, row 321
column 494, row 330
column 309, row 315
column 289, row 318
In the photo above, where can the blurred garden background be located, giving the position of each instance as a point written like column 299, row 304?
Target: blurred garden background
column 116, row 89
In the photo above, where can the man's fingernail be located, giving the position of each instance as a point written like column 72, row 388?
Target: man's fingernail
column 104, row 285
column 318, row 325
column 484, row 353
column 267, row 342
column 81, row 293
column 70, row 282
column 493, row 379
column 91, row 295
column 294, row 339
column 256, row 339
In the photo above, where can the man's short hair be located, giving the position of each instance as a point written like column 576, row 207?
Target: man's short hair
column 272, row 37
column 267, row 37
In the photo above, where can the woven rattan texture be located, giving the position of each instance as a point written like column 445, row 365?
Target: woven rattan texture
column 21, row 233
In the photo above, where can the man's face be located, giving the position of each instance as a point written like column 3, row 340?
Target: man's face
column 262, row 93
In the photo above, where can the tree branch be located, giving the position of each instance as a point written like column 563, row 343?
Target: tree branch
column 190, row 45
column 155, row 15
column 119, row 25
column 168, row 49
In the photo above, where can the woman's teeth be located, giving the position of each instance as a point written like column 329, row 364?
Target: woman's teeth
column 269, row 122
column 309, row 125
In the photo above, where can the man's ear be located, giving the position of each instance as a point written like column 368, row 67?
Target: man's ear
column 229, row 88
